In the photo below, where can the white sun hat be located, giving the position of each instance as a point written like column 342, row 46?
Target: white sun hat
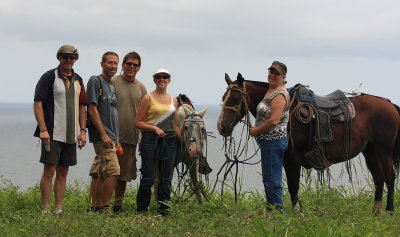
column 162, row 70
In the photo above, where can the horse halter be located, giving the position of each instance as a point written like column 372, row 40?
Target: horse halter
column 236, row 108
column 194, row 129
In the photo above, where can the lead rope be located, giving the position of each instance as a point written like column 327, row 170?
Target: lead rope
column 230, row 150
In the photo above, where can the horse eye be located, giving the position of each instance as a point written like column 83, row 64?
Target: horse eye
column 236, row 100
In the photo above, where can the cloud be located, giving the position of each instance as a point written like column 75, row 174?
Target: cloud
column 200, row 40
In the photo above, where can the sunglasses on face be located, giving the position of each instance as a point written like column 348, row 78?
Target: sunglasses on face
column 157, row 77
column 274, row 72
column 132, row 64
column 72, row 57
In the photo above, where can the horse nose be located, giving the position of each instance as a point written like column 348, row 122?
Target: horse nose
column 224, row 130
column 193, row 151
column 221, row 129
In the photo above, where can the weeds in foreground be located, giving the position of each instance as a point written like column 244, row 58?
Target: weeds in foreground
column 326, row 212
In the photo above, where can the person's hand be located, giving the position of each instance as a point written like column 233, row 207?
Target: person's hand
column 119, row 149
column 107, row 142
column 253, row 131
column 45, row 137
column 159, row 132
column 81, row 139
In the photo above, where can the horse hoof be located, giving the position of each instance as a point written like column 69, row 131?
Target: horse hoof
column 297, row 207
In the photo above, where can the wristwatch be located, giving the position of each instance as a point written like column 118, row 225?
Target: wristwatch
column 84, row 129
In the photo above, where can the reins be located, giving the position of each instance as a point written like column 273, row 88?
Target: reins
column 233, row 153
column 193, row 123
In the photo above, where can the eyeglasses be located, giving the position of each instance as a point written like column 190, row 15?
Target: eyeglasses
column 72, row 57
column 132, row 64
column 157, row 77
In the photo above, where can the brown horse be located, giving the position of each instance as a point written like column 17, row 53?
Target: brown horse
column 374, row 132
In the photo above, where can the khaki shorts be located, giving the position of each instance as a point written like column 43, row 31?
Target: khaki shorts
column 127, row 163
column 106, row 162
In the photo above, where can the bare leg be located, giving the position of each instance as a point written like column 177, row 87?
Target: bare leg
column 108, row 188
column 59, row 185
column 45, row 185
column 96, row 192
column 92, row 192
column 120, row 188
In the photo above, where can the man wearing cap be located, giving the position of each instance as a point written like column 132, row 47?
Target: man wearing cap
column 129, row 91
column 59, row 107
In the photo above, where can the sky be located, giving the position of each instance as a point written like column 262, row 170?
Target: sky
column 352, row 45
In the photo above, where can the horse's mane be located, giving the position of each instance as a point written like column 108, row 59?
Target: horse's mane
column 258, row 83
column 184, row 99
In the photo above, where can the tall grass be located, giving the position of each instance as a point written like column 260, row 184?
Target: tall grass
column 327, row 211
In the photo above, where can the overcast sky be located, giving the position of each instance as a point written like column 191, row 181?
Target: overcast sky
column 327, row 44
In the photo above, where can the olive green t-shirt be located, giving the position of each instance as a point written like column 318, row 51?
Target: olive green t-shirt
column 129, row 95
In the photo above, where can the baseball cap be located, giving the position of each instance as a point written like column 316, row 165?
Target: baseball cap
column 68, row 49
column 279, row 67
column 161, row 70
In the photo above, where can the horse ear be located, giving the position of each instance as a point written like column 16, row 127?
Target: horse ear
column 202, row 112
column 240, row 79
column 228, row 79
column 187, row 111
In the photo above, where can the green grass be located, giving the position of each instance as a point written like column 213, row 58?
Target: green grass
column 326, row 212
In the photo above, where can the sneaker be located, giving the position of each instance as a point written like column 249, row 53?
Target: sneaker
column 163, row 212
column 46, row 212
column 142, row 211
column 58, row 212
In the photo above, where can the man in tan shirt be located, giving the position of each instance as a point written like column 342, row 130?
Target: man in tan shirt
column 129, row 91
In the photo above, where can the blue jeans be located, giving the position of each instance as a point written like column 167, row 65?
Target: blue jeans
column 158, row 156
column 271, row 164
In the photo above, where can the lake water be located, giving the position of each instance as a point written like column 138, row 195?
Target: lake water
column 19, row 153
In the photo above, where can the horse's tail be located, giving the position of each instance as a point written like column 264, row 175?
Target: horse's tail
column 396, row 148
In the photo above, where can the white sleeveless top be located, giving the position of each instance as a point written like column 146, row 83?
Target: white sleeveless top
column 264, row 113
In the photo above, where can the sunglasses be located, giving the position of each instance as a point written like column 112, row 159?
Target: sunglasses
column 132, row 64
column 282, row 65
column 273, row 71
column 157, row 77
column 72, row 57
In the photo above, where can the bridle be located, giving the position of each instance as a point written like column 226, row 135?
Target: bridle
column 236, row 108
column 192, row 123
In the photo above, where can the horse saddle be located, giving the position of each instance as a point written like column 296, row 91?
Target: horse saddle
column 330, row 101
column 332, row 108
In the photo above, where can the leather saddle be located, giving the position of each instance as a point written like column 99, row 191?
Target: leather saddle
column 335, row 106
column 332, row 108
